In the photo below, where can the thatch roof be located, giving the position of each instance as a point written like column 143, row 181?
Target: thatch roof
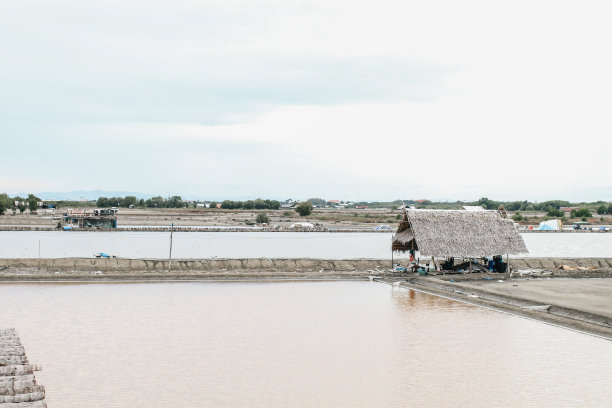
column 456, row 233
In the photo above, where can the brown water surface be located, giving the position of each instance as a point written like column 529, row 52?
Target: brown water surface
column 295, row 344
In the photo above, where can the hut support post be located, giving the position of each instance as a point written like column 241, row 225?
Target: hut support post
column 507, row 263
column 433, row 261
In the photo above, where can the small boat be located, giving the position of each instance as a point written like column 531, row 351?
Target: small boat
column 102, row 255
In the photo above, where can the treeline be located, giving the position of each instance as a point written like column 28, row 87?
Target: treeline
column 257, row 204
column 544, row 206
column 131, row 201
column 18, row 203
column 178, row 202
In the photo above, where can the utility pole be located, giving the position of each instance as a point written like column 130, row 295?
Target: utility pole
column 392, row 236
column 170, row 256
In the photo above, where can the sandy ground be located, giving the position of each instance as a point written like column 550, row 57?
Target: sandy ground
column 589, row 295
column 580, row 304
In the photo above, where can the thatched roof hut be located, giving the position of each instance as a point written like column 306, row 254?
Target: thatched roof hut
column 456, row 233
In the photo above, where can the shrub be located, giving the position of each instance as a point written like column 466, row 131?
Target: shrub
column 554, row 212
column 262, row 218
column 602, row 209
column 304, row 208
column 517, row 217
column 583, row 212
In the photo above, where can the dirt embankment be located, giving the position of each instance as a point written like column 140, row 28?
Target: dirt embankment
column 144, row 269
column 323, row 218
column 153, row 269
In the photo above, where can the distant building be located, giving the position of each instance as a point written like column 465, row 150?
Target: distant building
column 91, row 218
column 473, row 208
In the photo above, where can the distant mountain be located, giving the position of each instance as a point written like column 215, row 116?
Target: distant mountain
column 89, row 195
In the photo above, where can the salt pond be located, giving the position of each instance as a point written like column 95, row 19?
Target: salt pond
column 295, row 344
column 59, row 244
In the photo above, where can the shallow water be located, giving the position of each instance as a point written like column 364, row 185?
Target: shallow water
column 294, row 344
column 58, row 244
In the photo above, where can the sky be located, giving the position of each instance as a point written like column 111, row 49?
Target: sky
column 350, row 100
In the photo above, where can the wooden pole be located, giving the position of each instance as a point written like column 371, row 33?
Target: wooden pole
column 170, row 256
column 392, row 252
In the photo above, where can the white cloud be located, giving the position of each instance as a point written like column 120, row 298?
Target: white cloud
column 394, row 99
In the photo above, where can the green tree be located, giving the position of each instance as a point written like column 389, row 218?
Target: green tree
column 488, row 204
column 33, row 203
column 554, row 212
column 227, row 205
column 102, row 202
column 610, row 209
column 602, row 209
column 304, row 208
column 129, row 200
column 318, row 201
column 517, row 217
column 583, row 212
column 262, row 218
column 175, row 202
column 4, row 203
column 156, row 202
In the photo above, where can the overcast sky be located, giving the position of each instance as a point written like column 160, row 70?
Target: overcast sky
column 351, row 100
